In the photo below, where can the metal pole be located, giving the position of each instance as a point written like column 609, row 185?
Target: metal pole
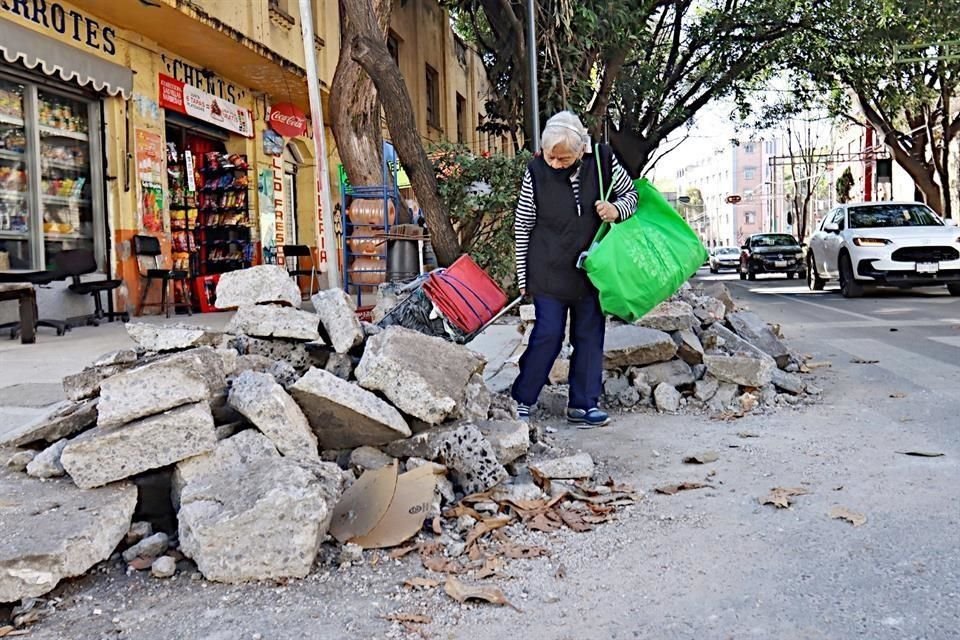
column 327, row 240
column 534, row 98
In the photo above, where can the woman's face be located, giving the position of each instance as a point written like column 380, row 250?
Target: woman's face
column 560, row 156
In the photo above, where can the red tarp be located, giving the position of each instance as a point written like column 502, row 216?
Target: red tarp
column 465, row 294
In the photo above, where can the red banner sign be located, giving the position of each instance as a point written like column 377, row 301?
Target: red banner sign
column 287, row 120
column 189, row 100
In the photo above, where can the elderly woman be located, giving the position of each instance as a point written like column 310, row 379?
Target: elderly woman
column 559, row 212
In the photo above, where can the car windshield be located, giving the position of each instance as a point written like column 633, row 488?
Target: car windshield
column 781, row 240
column 899, row 215
column 727, row 251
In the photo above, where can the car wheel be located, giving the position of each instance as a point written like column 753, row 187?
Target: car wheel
column 790, row 275
column 750, row 274
column 849, row 287
column 814, row 281
column 714, row 270
column 954, row 289
column 743, row 276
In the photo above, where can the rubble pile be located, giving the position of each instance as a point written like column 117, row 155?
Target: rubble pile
column 695, row 352
column 289, row 426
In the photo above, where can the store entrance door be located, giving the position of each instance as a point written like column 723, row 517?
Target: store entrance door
column 291, row 163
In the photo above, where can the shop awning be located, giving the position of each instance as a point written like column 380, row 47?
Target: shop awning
column 21, row 45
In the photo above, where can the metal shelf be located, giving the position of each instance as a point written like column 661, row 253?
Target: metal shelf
column 12, row 120
column 52, row 132
column 12, row 155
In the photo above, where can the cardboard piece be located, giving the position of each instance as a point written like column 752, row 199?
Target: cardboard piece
column 382, row 509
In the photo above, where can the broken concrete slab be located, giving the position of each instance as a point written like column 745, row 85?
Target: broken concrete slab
column 742, row 370
column 107, row 454
column 266, row 283
column 425, row 445
column 52, row 530
column 149, row 548
column 260, row 521
column 627, row 345
column 338, row 315
column 236, row 451
column 263, row 402
column 754, row 330
column 708, row 310
column 788, row 382
column 706, row 388
column 669, row 316
column 272, row 321
column 340, row 365
column 293, row 353
column 166, row 383
column 423, row 376
column 345, row 416
column 510, row 438
column 66, row 419
column 689, row 347
column 119, row 357
column 48, row 463
column 676, row 373
column 366, row 458
column 725, row 396
column 719, row 336
column 170, row 337
column 21, row 459
column 477, row 399
column 666, row 397
column 720, row 291
column 566, row 468
column 472, row 460
column 86, row 383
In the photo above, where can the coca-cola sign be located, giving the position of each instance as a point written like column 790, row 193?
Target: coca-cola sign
column 287, row 120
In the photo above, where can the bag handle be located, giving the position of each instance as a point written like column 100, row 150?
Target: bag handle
column 604, row 197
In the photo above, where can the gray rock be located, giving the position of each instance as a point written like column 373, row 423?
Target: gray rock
column 340, row 365
column 472, row 460
column 173, row 381
column 163, row 567
column 21, row 459
column 257, row 285
column 643, row 389
column 502, row 407
column 614, row 384
column 788, row 382
column 708, row 310
column 345, row 416
column 119, row 357
column 370, row 329
column 699, row 370
column 293, row 353
column 263, row 402
column 107, row 454
column 553, row 400
column 689, row 347
column 813, row 389
column 152, row 546
column 718, row 336
column 283, row 373
column 53, row 530
column 387, row 299
column 768, row 395
column 237, row 451
column 510, row 438
column 705, row 389
column 477, row 399
column 566, row 468
column 137, row 532
column 366, row 458
column 350, row 553
column 666, row 397
column 672, row 315
column 724, row 397
column 720, row 291
column 170, row 337
column 48, row 463
column 260, row 521
column 742, row 370
column 66, row 419
column 627, row 345
column 754, row 330
column 230, row 360
column 86, row 384
column 338, row 315
column 423, row 376
column 629, row 397
column 273, row 321
column 676, row 373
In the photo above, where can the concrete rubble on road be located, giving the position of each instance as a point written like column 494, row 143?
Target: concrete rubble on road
column 170, row 337
column 262, row 284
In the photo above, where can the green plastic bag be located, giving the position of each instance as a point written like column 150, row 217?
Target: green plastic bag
column 640, row 262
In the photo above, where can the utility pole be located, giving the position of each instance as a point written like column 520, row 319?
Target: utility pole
column 327, row 242
column 533, row 97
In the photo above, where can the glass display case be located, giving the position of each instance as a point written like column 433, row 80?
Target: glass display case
column 15, row 219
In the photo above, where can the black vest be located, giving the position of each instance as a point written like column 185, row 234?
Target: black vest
column 560, row 234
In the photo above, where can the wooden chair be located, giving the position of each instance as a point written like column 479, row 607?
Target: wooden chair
column 149, row 247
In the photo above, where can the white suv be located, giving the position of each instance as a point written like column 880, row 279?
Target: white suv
column 900, row 244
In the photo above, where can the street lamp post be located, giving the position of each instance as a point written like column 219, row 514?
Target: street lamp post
column 534, row 98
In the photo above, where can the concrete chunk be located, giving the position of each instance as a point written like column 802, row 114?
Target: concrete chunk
column 264, row 283
column 788, row 382
column 345, row 416
column 708, row 310
column 720, row 291
column 676, row 373
column 48, row 463
column 423, row 376
column 754, row 330
column 170, row 337
column 86, row 383
column 106, row 454
column 510, row 438
column 293, row 353
column 566, row 468
column 259, row 398
column 338, row 315
column 52, row 530
column 366, row 458
column 627, row 345
column 742, row 370
column 666, row 397
column 689, row 347
column 668, row 316
column 719, row 335
column 271, row 321
column 472, row 460
column 260, row 521
column 66, row 419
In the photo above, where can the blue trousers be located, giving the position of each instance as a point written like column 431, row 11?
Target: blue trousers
column 587, row 327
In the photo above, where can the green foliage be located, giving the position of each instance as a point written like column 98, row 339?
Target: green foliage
column 480, row 194
column 844, row 185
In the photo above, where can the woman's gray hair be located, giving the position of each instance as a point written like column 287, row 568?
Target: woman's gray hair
column 565, row 129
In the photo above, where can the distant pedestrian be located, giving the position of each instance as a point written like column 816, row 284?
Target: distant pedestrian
column 559, row 212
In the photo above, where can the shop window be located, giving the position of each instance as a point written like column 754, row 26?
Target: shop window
column 393, row 46
column 433, row 97
column 461, row 118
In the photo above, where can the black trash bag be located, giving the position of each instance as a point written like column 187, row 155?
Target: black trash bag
column 415, row 312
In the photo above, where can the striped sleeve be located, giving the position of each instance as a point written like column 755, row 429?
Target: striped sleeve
column 524, row 220
column 626, row 202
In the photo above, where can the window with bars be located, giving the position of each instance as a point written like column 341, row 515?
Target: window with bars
column 461, row 118
column 433, row 97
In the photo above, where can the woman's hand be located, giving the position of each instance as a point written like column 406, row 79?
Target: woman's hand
column 606, row 211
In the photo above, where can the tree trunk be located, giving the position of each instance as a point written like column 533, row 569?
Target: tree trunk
column 369, row 49
column 355, row 107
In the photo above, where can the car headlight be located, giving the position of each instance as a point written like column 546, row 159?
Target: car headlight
column 870, row 242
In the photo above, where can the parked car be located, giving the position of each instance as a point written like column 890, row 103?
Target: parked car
column 724, row 258
column 771, row 253
column 900, row 244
